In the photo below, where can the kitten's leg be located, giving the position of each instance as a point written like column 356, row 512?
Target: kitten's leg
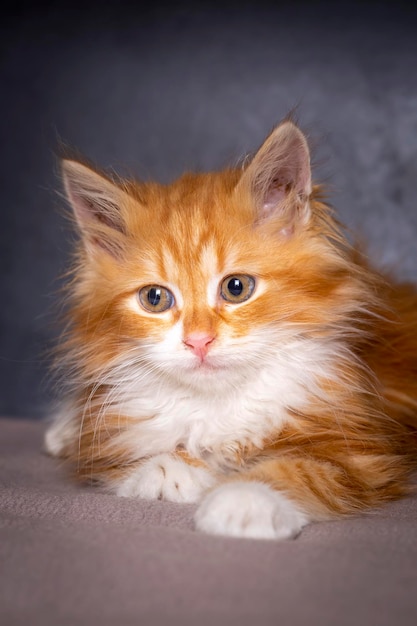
column 174, row 477
column 62, row 432
column 99, row 451
column 250, row 509
column 276, row 498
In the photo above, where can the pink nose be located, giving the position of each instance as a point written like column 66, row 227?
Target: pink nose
column 199, row 343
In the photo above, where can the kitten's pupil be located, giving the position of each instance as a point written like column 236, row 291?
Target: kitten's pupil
column 235, row 286
column 154, row 296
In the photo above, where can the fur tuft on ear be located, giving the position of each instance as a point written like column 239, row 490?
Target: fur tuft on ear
column 279, row 178
column 96, row 202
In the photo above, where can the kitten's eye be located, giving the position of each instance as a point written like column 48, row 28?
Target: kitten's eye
column 156, row 299
column 237, row 288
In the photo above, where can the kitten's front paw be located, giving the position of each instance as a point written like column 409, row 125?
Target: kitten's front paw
column 166, row 477
column 249, row 509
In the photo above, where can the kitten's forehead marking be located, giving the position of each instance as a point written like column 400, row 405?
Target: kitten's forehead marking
column 199, row 275
column 214, row 270
column 211, row 267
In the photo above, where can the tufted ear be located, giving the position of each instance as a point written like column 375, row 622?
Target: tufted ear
column 96, row 203
column 279, row 178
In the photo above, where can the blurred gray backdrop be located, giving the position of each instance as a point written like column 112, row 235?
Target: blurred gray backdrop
column 152, row 91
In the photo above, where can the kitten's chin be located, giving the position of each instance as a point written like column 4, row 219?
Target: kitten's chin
column 207, row 367
column 200, row 374
column 213, row 372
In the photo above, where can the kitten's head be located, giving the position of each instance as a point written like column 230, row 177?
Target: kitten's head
column 207, row 278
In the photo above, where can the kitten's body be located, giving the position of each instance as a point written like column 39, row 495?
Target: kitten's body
column 293, row 403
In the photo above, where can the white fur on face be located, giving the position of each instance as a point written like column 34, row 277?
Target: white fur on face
column 242, row 399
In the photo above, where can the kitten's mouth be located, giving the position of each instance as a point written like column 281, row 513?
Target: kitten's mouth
column 206, row 365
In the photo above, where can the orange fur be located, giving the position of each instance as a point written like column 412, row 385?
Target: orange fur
column 354, row 444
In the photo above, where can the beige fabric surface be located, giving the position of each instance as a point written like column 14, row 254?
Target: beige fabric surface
column 74, row 555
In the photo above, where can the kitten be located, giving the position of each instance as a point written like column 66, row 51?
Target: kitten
column 227, row 347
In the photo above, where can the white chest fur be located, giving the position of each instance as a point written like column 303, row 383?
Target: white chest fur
column 216, row 421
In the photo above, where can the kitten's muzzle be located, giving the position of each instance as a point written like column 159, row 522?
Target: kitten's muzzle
column 199, row 343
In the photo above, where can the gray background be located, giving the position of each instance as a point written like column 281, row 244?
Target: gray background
column 154, row 91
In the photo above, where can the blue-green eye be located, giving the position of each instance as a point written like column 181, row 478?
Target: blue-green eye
column 156, row 299
column 237, row 288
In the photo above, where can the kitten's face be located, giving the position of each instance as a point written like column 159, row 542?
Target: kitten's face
column 206, row 279
column 194, row 291
column 202, row 293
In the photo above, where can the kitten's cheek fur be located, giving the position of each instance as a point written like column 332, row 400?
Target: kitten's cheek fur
column 166, row 477
column 249, row 509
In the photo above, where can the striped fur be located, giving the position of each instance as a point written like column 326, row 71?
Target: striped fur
column 307, row 396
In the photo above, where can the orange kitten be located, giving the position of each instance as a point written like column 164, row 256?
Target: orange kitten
column 227, row 347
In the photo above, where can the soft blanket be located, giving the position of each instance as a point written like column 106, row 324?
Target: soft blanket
column 75, row 555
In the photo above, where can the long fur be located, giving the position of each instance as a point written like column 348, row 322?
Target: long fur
column 310, row 386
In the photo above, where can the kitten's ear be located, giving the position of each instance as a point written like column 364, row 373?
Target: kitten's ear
column 279, row 178
column 96, row 202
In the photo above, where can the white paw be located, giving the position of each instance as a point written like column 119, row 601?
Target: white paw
column 61, row 434
column 166, row 477
column 249, row 509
